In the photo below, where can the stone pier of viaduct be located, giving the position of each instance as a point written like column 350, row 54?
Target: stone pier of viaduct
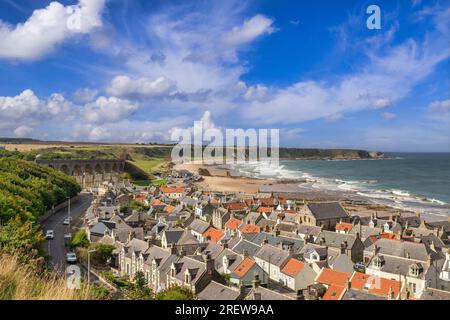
column 88, row 173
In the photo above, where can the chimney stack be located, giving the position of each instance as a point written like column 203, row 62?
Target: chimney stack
column 256, row 282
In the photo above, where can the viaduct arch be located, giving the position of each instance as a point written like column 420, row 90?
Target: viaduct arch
column 88, row 173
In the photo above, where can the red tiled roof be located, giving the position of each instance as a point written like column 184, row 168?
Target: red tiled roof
column 169, row 208
column 214, row 234
column 374, row 284
column 266, row 201
column 244, row 267
column 264, row 209
column 250, row 228
column 334, row 292
column 388, row 235
column 235, row 206
column 157, row 202
column 343, row 226
column 233, row 223
column 293, row 267
column 331, row 277
column 172, row 189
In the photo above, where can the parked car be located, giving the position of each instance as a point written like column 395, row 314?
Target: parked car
column 66, row 222
column 49, row 234
column 67, row 239
column 71, row 257
column 360, row 267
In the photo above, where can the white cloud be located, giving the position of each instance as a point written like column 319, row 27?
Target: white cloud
column 85, row 95
column 46, row 28
column 106, row 110
column 382, row 103
column 249, row 30
column 442, row 106
column 124, row 86
column 23, row 131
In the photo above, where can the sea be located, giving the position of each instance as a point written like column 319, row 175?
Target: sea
column 414, row 181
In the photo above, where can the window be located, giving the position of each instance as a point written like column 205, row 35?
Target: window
column 187, row 278
column 173, row 272
column 412, row 286
column 414, row 270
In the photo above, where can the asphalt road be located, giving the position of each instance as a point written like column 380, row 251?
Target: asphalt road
column 55, row 247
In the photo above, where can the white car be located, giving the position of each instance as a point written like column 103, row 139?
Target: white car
column 71, row 257
column 49, row 234
column 66, row 221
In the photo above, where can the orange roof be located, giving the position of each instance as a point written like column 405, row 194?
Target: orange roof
column 374, row 284
column 214, row 234
column 244, row 267
column 233, row 223
column 157, row 202
column 388, row 235
column 343, row 226
column 266, row 201
column 172, row 189
column 169, row 208
column 293, row 267
column 331, row 277
column 264, row 209
column 334, row 292
column 250, row 228
column 235, row 206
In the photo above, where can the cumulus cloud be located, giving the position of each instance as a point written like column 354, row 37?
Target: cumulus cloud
column 85, row 95
column 440, row 106
column 23, row 131
column 124, row 86
column 46, row 28
column 106, row 110
column 249, row 30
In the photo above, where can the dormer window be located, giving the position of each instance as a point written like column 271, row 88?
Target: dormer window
column 371, row 224
column 386, row 227
column 414, row 270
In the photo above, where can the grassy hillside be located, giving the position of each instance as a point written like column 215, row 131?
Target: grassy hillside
column 29, row 190
column 20, row 281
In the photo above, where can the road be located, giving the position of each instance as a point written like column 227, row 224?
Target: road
column 55, row 247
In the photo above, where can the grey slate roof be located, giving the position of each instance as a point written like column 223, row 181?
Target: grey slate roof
column 352, row 294
column 275, row 255
column 328, row 210
column 199, row 226
column 100, row 229
column 435, row 294
column 334, row 239
column 402, row 249
column 399, row 266
column 246, row 247
column 215, row 290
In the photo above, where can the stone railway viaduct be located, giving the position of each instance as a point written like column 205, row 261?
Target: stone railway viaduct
column 88, row 173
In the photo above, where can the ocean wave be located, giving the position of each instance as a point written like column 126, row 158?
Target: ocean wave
column 398, row 198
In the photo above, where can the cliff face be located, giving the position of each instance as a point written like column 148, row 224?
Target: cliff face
column 328, row 154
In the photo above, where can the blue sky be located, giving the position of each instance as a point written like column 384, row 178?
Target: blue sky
column 134, row 71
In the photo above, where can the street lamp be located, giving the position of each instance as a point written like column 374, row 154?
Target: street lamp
column 89, row 264
column 68, row 210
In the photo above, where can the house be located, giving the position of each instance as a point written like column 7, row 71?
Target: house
column 387, row 288
column 122, row 200
column 172, row 192
column 198, row 228
column 335, row 283
column 344, row 227
column 348, row 243
column 232, row 225
column 128, row 256
column 192, row 272
column 297, row 275
column 212, row 234
column 249, row 228
column 271, row 259
column 325, row 215
column 415, row 275
column 204, row 209
column 244, row 272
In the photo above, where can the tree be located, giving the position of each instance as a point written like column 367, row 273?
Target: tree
column 140, row 289
column 175, row 293
column 102, row 253
column 80, row 239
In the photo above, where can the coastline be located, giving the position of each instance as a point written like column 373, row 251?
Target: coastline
column 220, row 178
